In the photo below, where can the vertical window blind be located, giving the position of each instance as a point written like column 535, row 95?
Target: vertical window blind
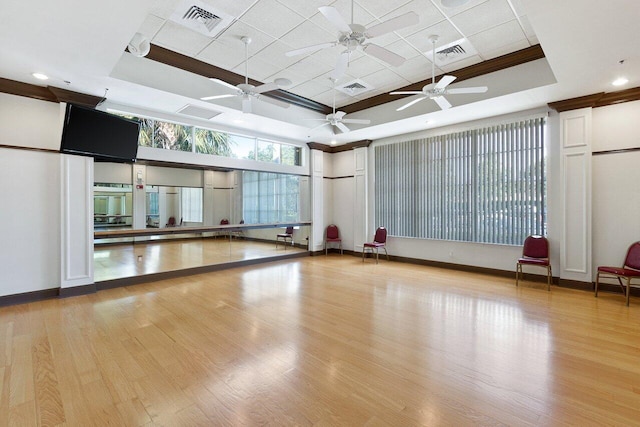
column 484, row 185
column 191, row 204
column 270, row 197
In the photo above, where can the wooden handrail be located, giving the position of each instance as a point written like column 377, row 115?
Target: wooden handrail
column 109, row 234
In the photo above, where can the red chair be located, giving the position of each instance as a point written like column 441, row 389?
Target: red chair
column 535, row 252
column 379, row 241
column 630, row 270
column 171, row 222
column 288, row 234
column 332, row 235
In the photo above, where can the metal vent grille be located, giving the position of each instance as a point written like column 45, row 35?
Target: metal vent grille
column 201, row 17
column 355, row 87
column 208, row 19
column 453, row 52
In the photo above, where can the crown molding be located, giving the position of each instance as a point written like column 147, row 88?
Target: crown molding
column 339, row 148
column 600, row 99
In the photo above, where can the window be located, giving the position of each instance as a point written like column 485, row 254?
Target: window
column 212, row 142
column 270, row 197
column 191, row 204
column 243, row 147
column 268, row 152
column 485, row 185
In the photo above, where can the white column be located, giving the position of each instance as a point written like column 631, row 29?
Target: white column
column 575, row 247
column 76, row 181
column 360, row 219
column 139, row 179
column 207, row 198
column 317, row 207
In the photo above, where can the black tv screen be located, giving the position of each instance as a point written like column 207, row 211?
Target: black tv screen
column 101, row 135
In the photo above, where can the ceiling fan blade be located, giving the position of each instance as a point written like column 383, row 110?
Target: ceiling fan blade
column 319, row 126
column 342, row 127
column 406, row 92
column 209, row 98
column 357, row 121
column 478, row 89
column 384, row 54
column 246, row 104
column 333, row 16
column 223, row 83
column 415, row 101
column 402, row 21
column 341, row 66
column 310, row 49
column 339, row 115
column 267, row 87
column 274, row 101
column 442, row 102
column 444, row 82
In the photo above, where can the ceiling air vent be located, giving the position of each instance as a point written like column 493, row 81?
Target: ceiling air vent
column 201, row 17
column 453, row 52
column 355, row 87
column 195, row 111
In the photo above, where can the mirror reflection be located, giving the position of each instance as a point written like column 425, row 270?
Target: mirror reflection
column 186, row 218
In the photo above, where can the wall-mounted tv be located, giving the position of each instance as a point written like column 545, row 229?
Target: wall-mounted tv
column 101, row 135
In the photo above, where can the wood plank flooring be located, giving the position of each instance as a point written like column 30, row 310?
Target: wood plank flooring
column 323, row 341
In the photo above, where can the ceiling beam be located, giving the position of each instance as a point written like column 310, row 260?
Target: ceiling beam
column 600, row 99
column 48, row 93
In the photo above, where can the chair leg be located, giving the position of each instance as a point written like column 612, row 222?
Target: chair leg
column 386, row 253
column 517, row 271
column 340, row 248
column 597, row 281
column 377, row 252
column 628, row 289
column 363, row 253
column 325, row 248
column 548, row 278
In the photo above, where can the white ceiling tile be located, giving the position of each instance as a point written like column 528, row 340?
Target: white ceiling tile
column 234, row 33
column 379, row 8
column 361, row 16
column 311, row 88
column 505, row 49
column 446, row 32
column 466, row 62
column 271, row 17
column 484, row 16
column 533, row 40
column 404, row 49
column 452, row 11
column 234, row 8
column 307, row 34
column 223, row 53
column 309, row 69
column 526, row 26
column 497, row 37
column 519, row 7
column 429, row 16
column 415, row 69
column 364, row 66
column 306, row 8
column 258, row 69
column 385, row 79
column 180, row 39
column 164, row 8
column 151, row 26
column 275, row 54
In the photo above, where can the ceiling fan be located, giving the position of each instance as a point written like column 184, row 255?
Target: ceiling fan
column 248, row 91
column 436, row 91
column 353, row 36
column 336, row 118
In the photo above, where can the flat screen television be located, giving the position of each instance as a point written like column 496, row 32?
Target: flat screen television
column 100, row 135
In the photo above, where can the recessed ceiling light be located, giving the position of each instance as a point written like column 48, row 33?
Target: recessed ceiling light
column 40, row 76
column 620, row 81
column 333, row 142
column 238, row 121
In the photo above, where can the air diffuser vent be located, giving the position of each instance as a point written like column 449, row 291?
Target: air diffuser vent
column 201, row 17
column 355, row 87
column 453, row 52
column 201, row 113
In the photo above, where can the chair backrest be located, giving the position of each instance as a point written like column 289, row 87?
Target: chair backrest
column 332, row 232
column 224, row 222
column 381, row 235
column 172, row 221
column 633, row 256
column 289, row 230
column 536, row 247
column 242, row 221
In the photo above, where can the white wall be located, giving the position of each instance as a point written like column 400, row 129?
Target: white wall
column 29, row 221
column 616, row 182
column 26, row 122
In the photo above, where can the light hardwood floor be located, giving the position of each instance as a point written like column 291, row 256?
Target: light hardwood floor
column 323, row 341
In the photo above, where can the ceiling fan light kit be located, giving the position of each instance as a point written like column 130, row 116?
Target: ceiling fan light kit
column 436, row 91
column 139, row 45
column 355, row 36
column 336, row 118
column 248, row 91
